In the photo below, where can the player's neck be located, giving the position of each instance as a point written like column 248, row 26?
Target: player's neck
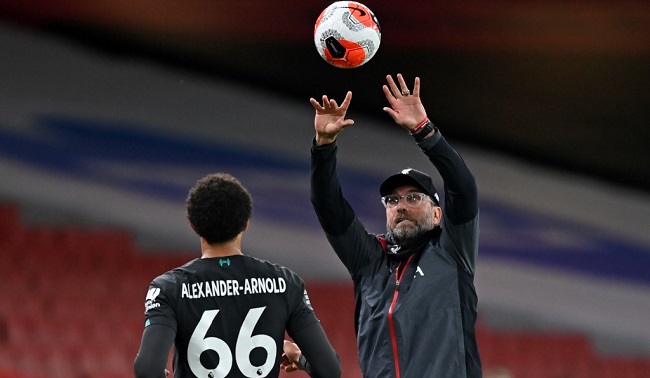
column 220, row 250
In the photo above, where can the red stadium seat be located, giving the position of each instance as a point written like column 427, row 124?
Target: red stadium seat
column 74, row 308
column 11, row 229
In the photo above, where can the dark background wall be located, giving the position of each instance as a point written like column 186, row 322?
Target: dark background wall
column 561, row 83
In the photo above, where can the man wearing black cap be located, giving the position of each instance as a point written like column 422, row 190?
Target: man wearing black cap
column 414, row 286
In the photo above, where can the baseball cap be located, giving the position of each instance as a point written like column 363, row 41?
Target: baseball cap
column 413, row 177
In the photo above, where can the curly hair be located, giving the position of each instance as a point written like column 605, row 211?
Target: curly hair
column 218, row 207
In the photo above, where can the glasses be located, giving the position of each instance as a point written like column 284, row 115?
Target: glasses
column 411, row 199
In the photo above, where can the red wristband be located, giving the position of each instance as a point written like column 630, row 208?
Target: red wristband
column 419, row 126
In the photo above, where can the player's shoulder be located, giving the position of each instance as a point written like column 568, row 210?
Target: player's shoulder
column 271, row 267
column 173, row 276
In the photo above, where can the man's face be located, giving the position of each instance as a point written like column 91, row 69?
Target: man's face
column 411, row 217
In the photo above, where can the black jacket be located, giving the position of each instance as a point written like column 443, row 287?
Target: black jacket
column 426, row 325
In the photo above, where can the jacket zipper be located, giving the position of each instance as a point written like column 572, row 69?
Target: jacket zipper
column 398, row 279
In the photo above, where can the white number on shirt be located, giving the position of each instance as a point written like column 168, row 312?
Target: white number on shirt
column 246, row 342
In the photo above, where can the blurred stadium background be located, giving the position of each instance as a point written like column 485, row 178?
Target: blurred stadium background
column 109, row 111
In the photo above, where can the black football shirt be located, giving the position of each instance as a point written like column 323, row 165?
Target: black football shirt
column 230, row 315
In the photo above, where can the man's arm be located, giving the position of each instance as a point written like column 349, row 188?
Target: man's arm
column 320, row 358
column 334, row 213
column 461, row 193
column 151, row 360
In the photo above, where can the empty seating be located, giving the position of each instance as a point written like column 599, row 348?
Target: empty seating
column 73, row 307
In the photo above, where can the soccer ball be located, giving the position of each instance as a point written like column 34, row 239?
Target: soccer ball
column 347, row 34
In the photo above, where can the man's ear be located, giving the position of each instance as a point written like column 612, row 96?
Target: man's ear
column 248, row 222
column 437, row 215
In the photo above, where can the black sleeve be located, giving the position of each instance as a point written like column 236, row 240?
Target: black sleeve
column 461, row 193
column 151, row 360
column 322, row 360
column 333, row 211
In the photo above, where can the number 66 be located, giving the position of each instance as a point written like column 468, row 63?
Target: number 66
column 246, row 342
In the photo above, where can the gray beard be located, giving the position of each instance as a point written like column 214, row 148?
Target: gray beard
column 406, row 236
